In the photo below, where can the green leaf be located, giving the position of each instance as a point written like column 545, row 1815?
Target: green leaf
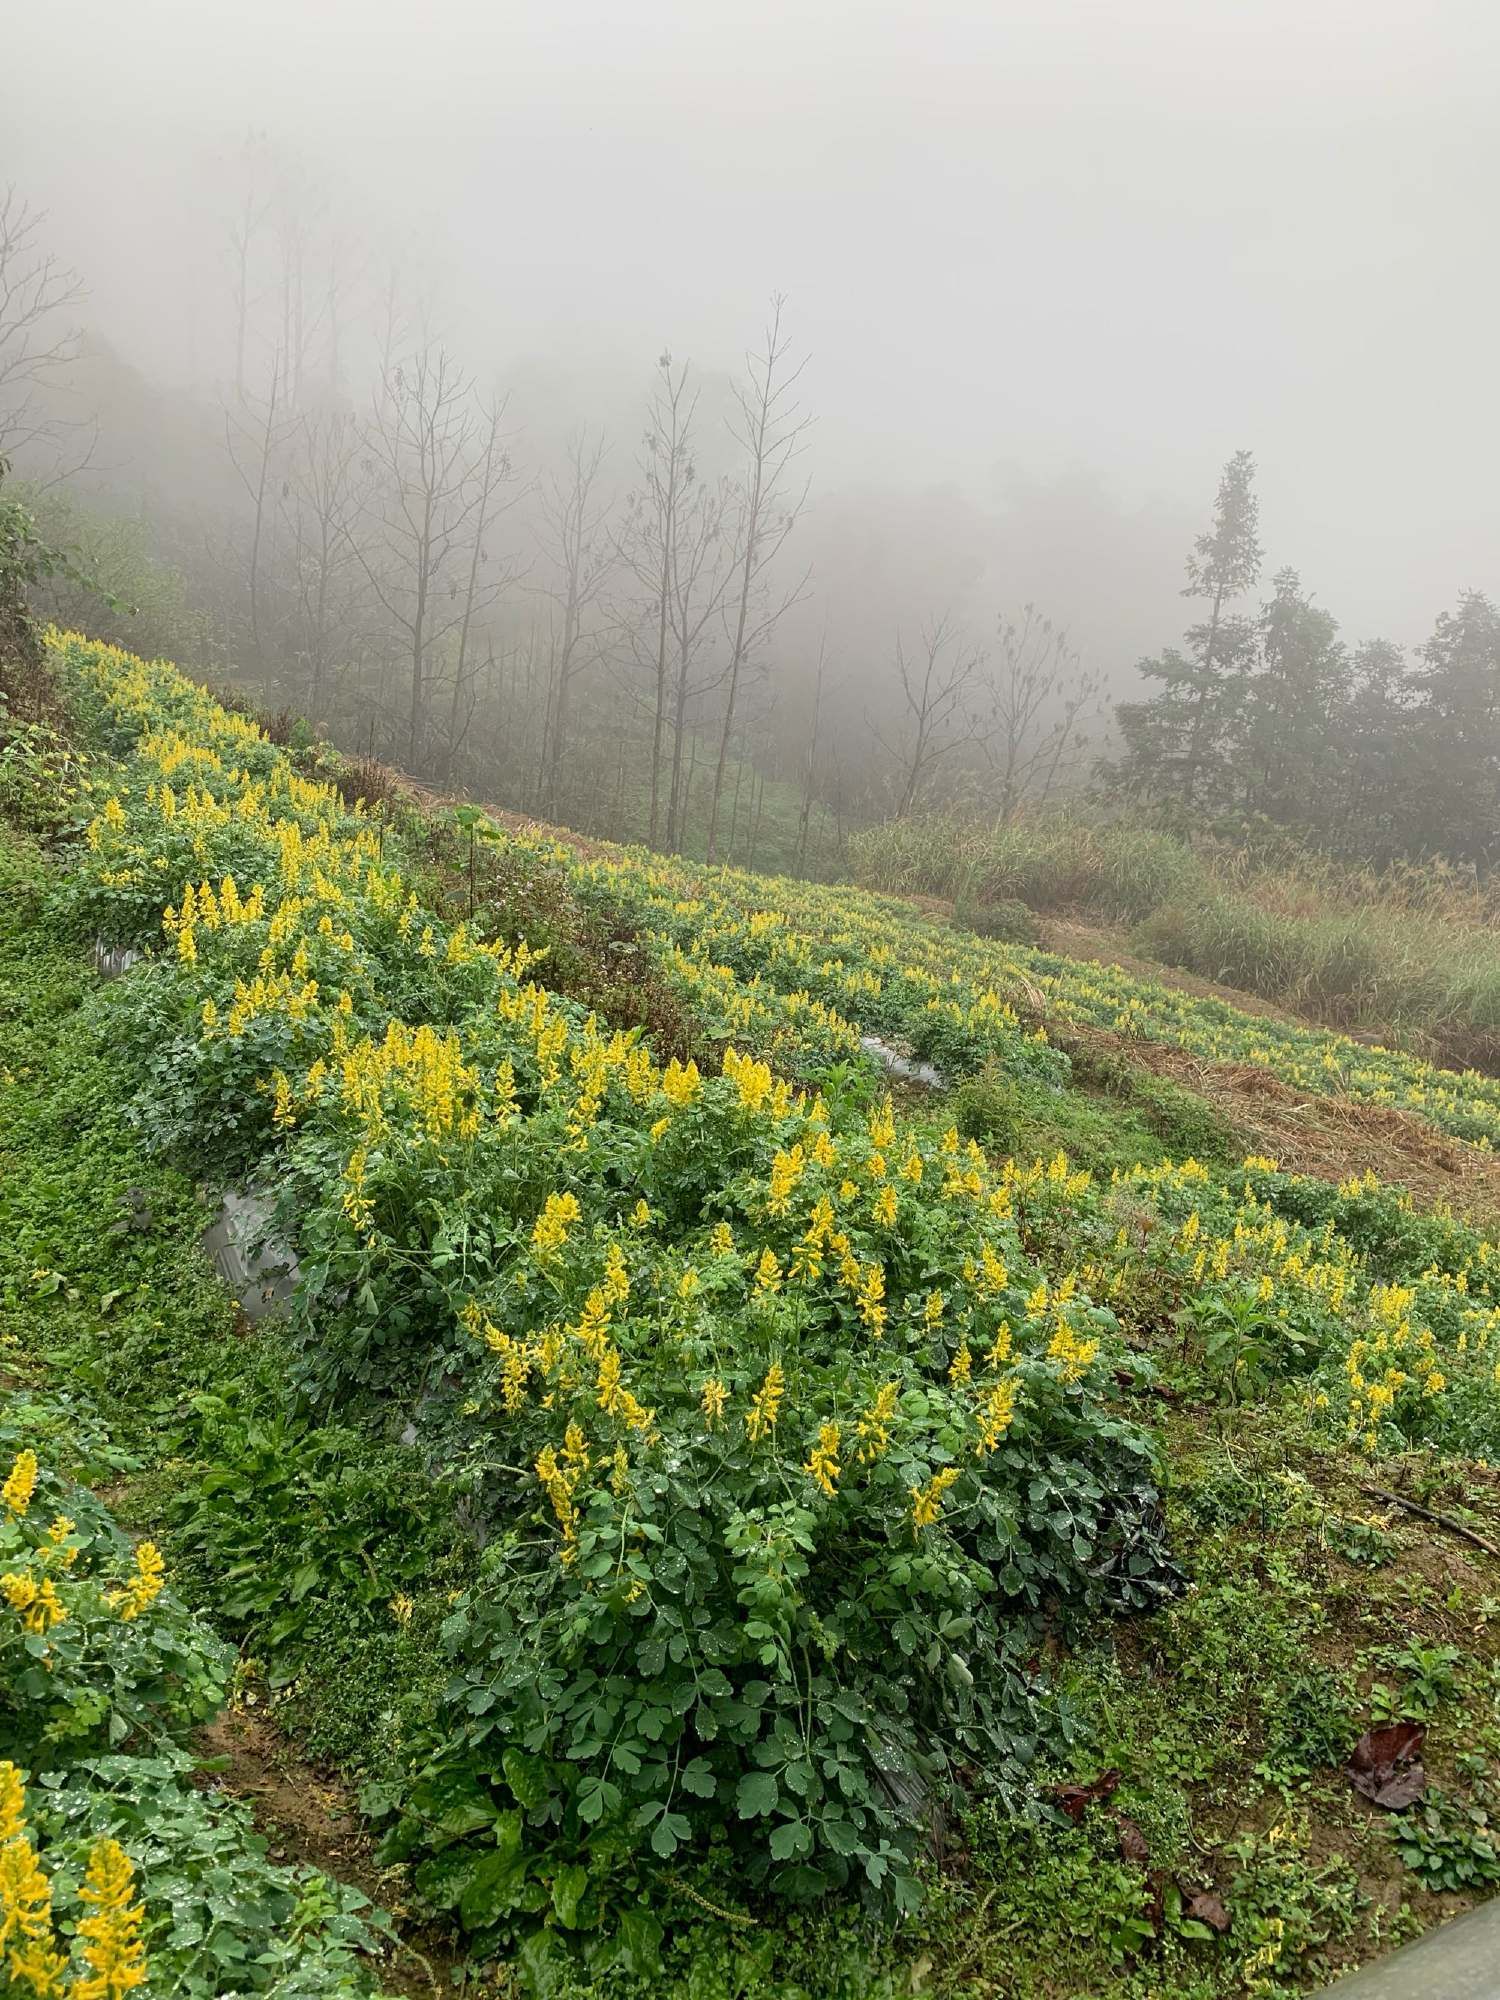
column 756, row 1794
column 527, row 1778
column 640, row 1943
column 697, row 1777
column 568, row 1885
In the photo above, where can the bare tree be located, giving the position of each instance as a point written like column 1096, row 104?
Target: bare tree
column 579, row 556
column 1039, row 694
column 485, row 580
column 253, row 441
column 810, row 767
column 937, row 684
column 770, row 430
column 323, row 502
column 38, row 344
column 244, row 232
column 648, row 545
column 422, row 441
column 701, row 578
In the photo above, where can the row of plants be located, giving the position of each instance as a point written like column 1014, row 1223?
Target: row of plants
column 962, row 1000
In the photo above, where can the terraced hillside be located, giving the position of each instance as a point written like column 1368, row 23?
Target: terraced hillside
column 747, row 1521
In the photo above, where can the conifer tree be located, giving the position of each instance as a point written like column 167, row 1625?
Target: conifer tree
column 1174, row 741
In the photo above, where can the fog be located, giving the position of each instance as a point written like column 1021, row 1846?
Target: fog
column 1047, row 265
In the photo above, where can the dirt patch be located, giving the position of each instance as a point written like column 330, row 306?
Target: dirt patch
column 1331, row 1137
column 308, row 1815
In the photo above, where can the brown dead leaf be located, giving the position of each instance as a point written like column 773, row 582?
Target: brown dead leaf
column 1206, row 1908
column 1075, row 1800
column 1132, row 1841
column 1386, row 1768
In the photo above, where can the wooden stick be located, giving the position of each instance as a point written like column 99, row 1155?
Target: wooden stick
column 1441, row 1520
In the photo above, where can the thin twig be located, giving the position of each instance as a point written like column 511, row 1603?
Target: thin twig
column 1441, row 1520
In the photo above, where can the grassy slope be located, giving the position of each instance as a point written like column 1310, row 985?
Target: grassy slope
column 1226, row 1739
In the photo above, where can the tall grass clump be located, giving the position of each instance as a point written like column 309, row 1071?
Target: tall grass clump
column 1052, row 861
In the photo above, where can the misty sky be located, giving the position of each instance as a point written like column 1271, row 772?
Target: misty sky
column 1126, row 236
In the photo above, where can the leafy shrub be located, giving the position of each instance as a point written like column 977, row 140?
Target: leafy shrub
column 1450, row 1846
column 83, row 1666
column 103, row 1674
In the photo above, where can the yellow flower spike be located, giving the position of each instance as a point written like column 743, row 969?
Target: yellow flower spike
column 995, row 1416
column 681, row 1083
column 767, row 1274
column 822, row 1465
column 550, row 1232
column 20, row 1484
column 874, row 1426
column 143, row 1589
column 111, row 1933
column 712, row 1399
column 765, row 1406
column 12, row 1803
column 927, row 1500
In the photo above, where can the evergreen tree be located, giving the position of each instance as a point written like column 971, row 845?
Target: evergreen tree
column 1373, row 727
column 1283, row 753
column 1175, row 741
column 1453, row 784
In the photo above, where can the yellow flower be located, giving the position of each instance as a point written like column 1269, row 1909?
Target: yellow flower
column 822, row 1466
column 21, row 1483
column 616, row 1274
column 1072, row 1354
column 25, row 1900
column 765, row 1405
column 995, row 1416
column 12, row 1803
column 551, row 1230
column 38, row 1603
column 283, row 1113
column 1000, row 1352
column 721, row 1240
column 640, row 1215
column 767, row 1274
column 111, row 1933
column 884, row 1210
column 961, row 1366
column 680, row 1083
column 927, row 1500
column 786, row 1170
column 144, row 1587
column 713, row 1398
column 874, row 1426
column 401, row 1608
